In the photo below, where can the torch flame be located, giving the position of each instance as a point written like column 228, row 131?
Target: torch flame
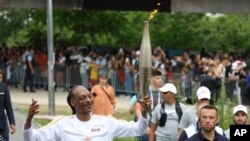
column 152, row 14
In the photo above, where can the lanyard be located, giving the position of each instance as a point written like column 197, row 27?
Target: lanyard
column 152, row 99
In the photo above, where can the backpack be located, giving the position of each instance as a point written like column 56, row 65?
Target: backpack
column 163, row 118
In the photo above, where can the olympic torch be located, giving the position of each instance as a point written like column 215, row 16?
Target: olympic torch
column 145, row 63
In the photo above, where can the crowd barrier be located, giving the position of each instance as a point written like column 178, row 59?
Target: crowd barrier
column 236, row 91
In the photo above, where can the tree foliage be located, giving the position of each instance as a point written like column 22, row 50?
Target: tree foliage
column 124, row 29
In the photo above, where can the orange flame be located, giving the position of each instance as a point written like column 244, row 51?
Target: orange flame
column 152, row 14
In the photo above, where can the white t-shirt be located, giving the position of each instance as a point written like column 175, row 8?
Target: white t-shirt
column 98, row 128
column 188, row 118
column 170, row 131
column 227, row 133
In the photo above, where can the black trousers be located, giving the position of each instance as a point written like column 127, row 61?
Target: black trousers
column 4, row 132
column 28, row 79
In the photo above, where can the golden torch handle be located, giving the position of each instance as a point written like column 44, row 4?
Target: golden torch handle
column 145, row 63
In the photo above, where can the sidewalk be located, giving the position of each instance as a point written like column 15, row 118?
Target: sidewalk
column 20, row 119
column 18, row 96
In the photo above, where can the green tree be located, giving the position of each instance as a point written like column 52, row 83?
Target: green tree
column 124, row 29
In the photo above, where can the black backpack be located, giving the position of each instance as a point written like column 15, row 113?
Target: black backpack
column 163, row 118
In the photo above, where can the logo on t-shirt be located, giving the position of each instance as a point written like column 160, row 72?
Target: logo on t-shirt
column 96, row 130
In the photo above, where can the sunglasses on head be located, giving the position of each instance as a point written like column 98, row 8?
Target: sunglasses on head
column 104, row 77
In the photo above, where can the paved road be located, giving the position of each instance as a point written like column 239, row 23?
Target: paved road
column 60, row 98
column 20, row 118
column 17, row 96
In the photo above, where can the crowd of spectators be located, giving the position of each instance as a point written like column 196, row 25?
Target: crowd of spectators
column 80, row 65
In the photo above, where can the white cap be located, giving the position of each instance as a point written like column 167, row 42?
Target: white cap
column 138, row 52
column 234, row 66
column 239, row 108
column 203, row 93
column 168, row 87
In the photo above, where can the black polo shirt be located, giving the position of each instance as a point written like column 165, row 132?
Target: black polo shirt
column 199, row 137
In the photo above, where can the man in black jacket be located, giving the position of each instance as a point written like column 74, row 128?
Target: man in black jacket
column 208, row 120
column 6, row 111
column 30, row 71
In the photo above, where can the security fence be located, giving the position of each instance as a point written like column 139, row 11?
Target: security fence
column 67, row 77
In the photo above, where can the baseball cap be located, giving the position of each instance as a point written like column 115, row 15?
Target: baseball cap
column 203, row 93
column 138, row 52
column 239, row 108
column 234, row 66
column 168, row 87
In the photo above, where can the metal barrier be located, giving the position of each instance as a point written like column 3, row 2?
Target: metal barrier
column 236, row 91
